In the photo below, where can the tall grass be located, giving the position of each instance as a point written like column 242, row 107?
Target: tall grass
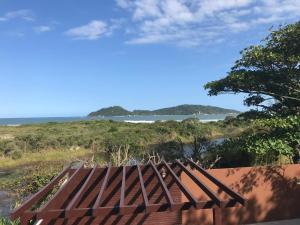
column 6, row 221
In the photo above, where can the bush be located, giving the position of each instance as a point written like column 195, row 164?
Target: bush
column 271, row 141
column 16, row 155
column 10, row 149
column 5, row 221
column 231, row 154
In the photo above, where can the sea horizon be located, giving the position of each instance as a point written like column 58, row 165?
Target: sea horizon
column 17, row 121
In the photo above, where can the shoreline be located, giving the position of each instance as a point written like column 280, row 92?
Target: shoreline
column 15, row 122
column 153, row 121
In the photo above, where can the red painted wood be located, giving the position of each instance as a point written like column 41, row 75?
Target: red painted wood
column 124, row 195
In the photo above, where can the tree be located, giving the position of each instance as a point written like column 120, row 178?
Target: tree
column 268, row 73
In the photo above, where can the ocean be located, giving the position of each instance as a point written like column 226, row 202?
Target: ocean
column 129, row 119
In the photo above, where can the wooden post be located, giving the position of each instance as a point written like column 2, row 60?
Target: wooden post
column 217, row 216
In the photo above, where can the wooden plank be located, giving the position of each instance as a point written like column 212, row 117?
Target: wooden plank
column 163, row 185
column 217, row 216
column 142, row 184
column 206, row 189
column 123, row 190
column 38, row 196
column 80, row 193
column 182, row 187
column 55, row 199
column 221, row 185
column 103, row 188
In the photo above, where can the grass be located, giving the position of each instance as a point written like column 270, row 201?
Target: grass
column 46, row 156
column 5, row 221
column 33, row 170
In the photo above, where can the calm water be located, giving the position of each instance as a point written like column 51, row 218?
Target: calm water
column 5, row 203
column 131, row 119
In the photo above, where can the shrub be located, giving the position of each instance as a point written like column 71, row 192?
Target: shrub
column 16, row 155
column 5, row 221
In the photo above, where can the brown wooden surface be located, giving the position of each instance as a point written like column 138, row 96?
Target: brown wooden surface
column 122, row 192
column 272, row 194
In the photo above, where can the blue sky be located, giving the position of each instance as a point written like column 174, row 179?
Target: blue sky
column 67, row 58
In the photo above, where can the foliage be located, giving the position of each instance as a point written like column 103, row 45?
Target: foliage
column 253, row 114
column 281, row 139
column 8, row 148
column 45, row 148
column 32, row 178
column 231, row 153
column 108, row 136
column 5, row 221
column 268, row 73
column 274, row 139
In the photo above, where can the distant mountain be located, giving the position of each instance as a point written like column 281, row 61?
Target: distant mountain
column 111, row 111
column 177, row 110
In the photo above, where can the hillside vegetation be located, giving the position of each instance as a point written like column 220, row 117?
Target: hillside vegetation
column 176, row 110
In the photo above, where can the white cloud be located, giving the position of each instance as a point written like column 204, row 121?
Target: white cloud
column 91, row 31
column 95, row 29
column 193, row 22
column 42, row 29
column 23, row 14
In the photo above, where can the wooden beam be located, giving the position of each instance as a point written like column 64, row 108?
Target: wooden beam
column 142, row 184
column 222, row 186
column 182, row 187
column 123, row 190
column 103, row 187
column 39, row 195
column 80, row 193
column 55, row 199
column 217, row 216
column 206, row 189
column 163, row 185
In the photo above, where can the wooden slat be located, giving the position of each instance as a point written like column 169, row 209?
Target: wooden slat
column 55, row 199
column 80, row 193
column 182, row 187
column 39, row 195
column 142, row 184
column 163, row 185
column 222, row 186
column 206, row 189
column 123, row 189
column 83, row 182
column 103, row 187
column 132, row 209
column 217, row 216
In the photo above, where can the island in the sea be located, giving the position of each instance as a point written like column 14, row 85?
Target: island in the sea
column 176, row 110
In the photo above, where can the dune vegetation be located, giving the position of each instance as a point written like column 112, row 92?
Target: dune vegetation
column 268, row 74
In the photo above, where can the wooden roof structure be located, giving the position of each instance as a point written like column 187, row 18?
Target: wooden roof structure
column 94, row 192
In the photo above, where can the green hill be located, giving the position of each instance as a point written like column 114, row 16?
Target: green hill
column 177, row 110
column 111, row 111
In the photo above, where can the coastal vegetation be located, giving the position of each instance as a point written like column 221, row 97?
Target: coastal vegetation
column 176, row 110
column 30, row 153
column 269, row 75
